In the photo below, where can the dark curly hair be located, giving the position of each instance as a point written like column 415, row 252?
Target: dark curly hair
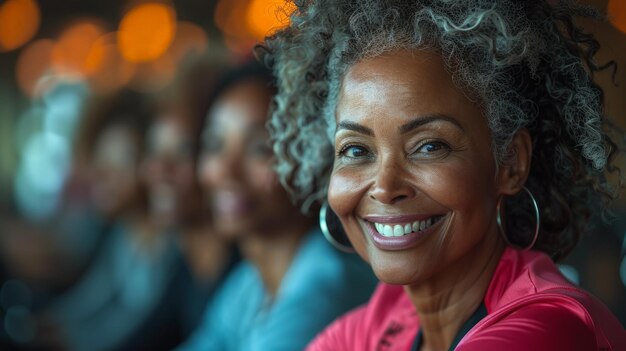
column 525, row 63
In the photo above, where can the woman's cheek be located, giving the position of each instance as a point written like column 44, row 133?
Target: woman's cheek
column 345, row 191
column 262, row 176
column 210, row 172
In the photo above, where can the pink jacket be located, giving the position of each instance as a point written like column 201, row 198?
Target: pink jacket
column 530, row 306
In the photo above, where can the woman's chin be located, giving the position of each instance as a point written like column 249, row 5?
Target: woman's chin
column 397, row 272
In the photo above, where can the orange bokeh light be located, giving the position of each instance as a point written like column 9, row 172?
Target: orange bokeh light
column 246, row 22
column 19, row 22
column 32, row 64
column 78, row 51
column 114, row 72
column 146, row 32
column 157, row 74
column 228, row 15
column 617, row 14
column 266, row 16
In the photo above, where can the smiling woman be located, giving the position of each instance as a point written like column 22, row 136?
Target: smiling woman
column 444, row 119
column 428, row 165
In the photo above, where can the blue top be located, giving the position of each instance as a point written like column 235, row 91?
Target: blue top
column 321, row 284
column 130, row 298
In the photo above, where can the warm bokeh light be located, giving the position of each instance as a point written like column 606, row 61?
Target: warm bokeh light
column 19, row 22
column 158, row 74
column 246, row 22
column 78, row 51
column 114, row 72
column 34, row 60
column 266, row 16
column 617, row 14
column 146, row 32
column 229, row 18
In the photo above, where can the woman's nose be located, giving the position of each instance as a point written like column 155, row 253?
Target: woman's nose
column 391, row 184
column 232, row 167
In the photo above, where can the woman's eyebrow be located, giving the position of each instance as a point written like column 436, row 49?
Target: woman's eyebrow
column 354, row 127
column 405, row 128
column 422, row 120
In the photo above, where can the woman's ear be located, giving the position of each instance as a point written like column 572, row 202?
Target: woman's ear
column 513, row 172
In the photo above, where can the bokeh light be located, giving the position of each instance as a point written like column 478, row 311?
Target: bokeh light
column 146, row 32
column 228, row 19
column 114, row 72
column 78, row 51
column 228, row 15
column 246, row 22
column 266, row 16
column 19, row 22
column 617, row 14
column 32, row 64
column 45, row 153
column 157, row 74
column 62, row 107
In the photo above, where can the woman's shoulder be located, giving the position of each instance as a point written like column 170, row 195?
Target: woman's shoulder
column 387, row 319
column 529, row 301
column 535, row 326
column 229, row 294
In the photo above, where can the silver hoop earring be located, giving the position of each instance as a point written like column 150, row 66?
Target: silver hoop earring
column 333, row 231
column 537, row 219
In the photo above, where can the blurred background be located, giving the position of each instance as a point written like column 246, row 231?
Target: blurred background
column 85, row 88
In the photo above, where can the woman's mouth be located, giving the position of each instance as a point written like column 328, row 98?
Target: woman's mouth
column 400, row 232
column 400, row 229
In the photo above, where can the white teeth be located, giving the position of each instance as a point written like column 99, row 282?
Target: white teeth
column 407, row 228
column 402, row 229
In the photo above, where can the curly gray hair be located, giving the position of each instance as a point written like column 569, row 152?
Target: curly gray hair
column 524, row 62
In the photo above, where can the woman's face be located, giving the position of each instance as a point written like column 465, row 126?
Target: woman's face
column 237, row 160
column 414, row 179
column 115, row 159
column 169, row 170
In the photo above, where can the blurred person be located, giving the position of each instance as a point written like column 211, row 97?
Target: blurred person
column 291, row 282
column 175, row 200
column 128, row 297
column 175, row 208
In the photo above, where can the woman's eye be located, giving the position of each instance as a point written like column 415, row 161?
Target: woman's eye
column 433, row 147
column 354, row 151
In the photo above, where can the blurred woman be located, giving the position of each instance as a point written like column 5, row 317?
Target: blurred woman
column 128, row 298
column 291, row 282
column 175, row 201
